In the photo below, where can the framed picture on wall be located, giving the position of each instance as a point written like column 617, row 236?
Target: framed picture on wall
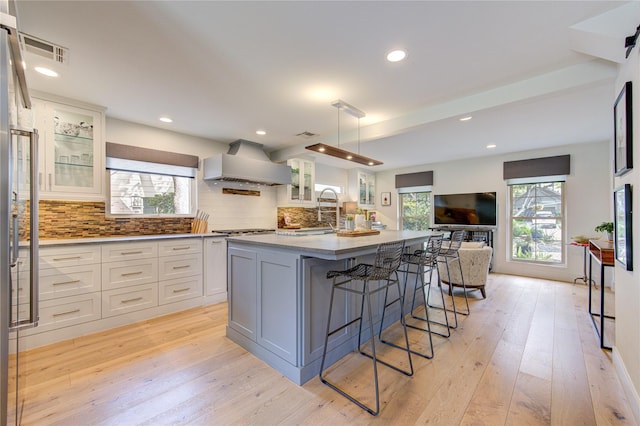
column 623, row 131
column 385, row 198
column 623, row 237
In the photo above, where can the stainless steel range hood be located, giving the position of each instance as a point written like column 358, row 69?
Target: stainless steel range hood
column 246, row 161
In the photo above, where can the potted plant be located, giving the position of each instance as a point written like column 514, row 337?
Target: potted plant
column 349, row 224
column 606, row 227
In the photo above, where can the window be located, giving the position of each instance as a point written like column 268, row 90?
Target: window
column 319, row 187
column 537, row 222
column 415, row 210
column 140, row 193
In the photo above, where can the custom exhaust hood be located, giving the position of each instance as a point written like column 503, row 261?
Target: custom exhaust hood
column 246, row 161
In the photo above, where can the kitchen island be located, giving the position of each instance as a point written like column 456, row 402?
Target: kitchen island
column 279, row 295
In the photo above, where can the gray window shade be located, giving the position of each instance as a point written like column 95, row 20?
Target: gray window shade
column 145, row 160
column 128, row 152
column 408, row 180
column 537, row 167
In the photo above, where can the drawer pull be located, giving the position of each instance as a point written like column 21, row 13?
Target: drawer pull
column 59, row 259
column 135, row 299
column 181, row 267
column 181, row 290
column 131, row 252
column 66, row 282
column 128, row 274
column 180, row 248
column 75, row 311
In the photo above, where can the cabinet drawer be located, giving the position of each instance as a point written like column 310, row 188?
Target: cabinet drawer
column 69, row 281
column 180, row 266
column 57, row 257
column 179, row 289
column 129, row 251
column 179, row 247
column 68, row 311
column 125, row 300
column 129, row 272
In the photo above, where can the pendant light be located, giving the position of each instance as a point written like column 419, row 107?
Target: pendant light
column 339, row 152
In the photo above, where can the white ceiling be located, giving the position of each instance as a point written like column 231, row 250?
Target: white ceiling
column 532, row 74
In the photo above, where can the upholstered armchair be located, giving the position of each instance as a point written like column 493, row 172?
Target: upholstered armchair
column 475, row 258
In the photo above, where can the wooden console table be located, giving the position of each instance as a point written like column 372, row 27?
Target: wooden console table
column 602, row 252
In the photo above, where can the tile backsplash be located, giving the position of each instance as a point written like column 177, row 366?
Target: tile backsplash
column 85, row 219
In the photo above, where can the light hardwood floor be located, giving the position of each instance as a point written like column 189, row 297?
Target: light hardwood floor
column 527, row 355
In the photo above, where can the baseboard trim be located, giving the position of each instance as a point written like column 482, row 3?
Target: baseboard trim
column 627, row 385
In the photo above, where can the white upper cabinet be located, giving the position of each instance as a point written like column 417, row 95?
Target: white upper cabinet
column 302, row 187
column 71, row 150
column 362, row 186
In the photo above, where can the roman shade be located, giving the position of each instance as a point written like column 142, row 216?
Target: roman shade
column 137, row 159
column 409, row 180
column 555, row 168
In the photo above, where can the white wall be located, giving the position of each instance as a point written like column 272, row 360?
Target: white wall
column 587, row 190
column 225, row 211
column 627, row 296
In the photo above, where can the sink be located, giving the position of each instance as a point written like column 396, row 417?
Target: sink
column 304, row 231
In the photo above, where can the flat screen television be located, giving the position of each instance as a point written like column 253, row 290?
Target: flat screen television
column 478, row 208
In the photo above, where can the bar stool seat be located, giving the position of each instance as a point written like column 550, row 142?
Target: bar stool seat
column 447, row 256
column 384, row 268
column 419, row 263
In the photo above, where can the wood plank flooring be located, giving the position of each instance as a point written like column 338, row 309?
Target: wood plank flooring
column 527, row 355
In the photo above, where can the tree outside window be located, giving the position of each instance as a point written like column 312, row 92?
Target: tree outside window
column 537, row 222
column 415, row 208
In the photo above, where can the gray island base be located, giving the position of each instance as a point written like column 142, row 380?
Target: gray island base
column 279, row 296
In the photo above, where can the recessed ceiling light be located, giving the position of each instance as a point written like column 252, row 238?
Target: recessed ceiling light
column 46, row 71
column 261, row 132
column 166, row 120
column 491, row 146
column 396, row 55
column 467, row 118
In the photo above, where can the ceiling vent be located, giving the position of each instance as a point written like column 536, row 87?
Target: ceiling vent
column 306, row 135
column 44, row 48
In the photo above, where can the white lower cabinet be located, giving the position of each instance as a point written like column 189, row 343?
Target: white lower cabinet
column 170, row 291
column 129, row 272
column 70, row 286
column 180, row 265
column 130, row 299
column 67, row 311
column 215, row 268
column 90, row 287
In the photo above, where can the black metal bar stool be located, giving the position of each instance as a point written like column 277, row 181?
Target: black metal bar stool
column 419, row 263
column 447, row 256
column 385, row 265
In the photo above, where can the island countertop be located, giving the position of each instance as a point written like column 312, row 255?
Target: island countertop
column 330, row 246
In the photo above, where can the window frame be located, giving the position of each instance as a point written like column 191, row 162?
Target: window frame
column 193, row 202
column 415, row 190
column 560, row 216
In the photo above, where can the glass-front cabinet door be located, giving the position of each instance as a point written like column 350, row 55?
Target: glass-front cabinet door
column 302, row 184
column 73, row 150
column 366, row 190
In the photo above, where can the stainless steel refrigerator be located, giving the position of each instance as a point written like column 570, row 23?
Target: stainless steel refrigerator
column 19, row 220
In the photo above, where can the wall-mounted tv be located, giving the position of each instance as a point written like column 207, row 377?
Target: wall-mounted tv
column 478, row 208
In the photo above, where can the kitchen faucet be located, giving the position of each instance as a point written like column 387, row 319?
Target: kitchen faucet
column 337, row 208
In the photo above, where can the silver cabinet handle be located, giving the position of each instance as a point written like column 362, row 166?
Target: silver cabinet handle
column 181, row 290
column 129, row 274
column 180, row 267
column 75, row 311
column 66, row 282
column 60, row 259
column 135, row 299
column 180, row 248
column 125, row 253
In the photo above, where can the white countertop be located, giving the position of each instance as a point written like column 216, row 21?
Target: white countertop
column 330, row 246
column 100, row 240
